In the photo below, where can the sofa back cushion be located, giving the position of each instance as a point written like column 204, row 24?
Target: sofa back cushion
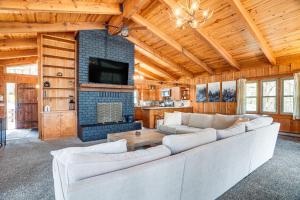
column 119, row 146
column 258, row 123
column 201, row 120
column 84, row 165
column 180, row 143
column 172, row 118
column 185, row 118
column 223, row 121
column 231, row 131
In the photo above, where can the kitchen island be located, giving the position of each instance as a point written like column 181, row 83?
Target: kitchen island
column 151, row 114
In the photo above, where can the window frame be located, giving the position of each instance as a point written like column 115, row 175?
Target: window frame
column 18, row 65
column 262, row 96
column 257, row 97
column 282, row 96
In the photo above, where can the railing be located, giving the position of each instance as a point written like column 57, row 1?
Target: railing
column 2, row 132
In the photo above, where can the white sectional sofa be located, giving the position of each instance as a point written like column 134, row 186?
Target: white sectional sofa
column 188, row 166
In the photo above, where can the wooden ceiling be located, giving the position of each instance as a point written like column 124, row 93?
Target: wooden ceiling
column 238, row 32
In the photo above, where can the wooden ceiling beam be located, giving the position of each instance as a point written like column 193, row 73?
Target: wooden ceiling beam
column 172, row 4
column 152, row 66
column 157, row 57
column 140, row 20
column 130, row 7
column 22, row 43
column 62, row 6
column 17, row 27
column 237, row 5
column 19, row 61
column 4, row 55
column 147, row 73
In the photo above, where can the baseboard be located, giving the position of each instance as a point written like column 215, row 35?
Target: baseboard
column 289, row 134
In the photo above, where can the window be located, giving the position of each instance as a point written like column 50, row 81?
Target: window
column 251, row 97
column 31, row 69
column 136, row 97
column 269, row 93
column 287, row 96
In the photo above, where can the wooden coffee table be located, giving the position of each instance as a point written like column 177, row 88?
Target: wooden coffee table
column 148, row 137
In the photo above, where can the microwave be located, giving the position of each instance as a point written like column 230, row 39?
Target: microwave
column 166, row 93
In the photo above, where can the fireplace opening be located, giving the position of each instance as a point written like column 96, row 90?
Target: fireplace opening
column 109, row 112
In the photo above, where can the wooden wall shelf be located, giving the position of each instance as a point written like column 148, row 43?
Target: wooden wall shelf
column 106, row 87
column 57, row 55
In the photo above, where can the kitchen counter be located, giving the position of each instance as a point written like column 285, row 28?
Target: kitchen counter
column 149, row 115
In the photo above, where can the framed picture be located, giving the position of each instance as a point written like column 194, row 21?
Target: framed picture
column 214, row 92
column 201, row 93
column 229, row 91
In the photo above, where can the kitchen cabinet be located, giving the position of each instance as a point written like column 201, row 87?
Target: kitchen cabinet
column 180, row 93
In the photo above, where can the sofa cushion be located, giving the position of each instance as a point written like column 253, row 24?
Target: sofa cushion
column 201, row 120
column 177, row 129
column 223, row 121
column 167, row 129
column 231, row 131
column 172, row 118
column 119, row 146
column 185, row 118
column 186, row 129
column 258, row 123
column 240, row 120
column 180, row 143
column 84, row 165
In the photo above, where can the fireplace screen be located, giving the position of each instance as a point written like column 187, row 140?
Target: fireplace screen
column 109, row 112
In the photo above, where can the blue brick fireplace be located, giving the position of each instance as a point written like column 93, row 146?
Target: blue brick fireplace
column 98, row 44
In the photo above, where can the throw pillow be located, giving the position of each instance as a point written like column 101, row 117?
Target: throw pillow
column 241, row 120
column 172, row 118
column 233, row 130
column 258, row 123
column 223, row 121
column 180, row 143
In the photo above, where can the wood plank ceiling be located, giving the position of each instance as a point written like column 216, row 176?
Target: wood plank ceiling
column 239, row 31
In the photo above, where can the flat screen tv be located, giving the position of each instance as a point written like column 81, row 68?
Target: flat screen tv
column 108, row 71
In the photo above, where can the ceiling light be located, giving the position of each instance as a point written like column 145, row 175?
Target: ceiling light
column 188, row 14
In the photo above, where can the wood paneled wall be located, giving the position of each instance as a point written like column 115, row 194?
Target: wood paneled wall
column 285, row 67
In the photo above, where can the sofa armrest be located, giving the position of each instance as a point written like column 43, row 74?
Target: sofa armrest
column 159, row 122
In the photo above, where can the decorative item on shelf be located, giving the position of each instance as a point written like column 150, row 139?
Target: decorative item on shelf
column 71, row 103
column 71, row 83
column 129, row 118
column 138, row 133
column 152, row 87
column 45, row 93
column 59, row 74
column 47, row 108
column 47, row 84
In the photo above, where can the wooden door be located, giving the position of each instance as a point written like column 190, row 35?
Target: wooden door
column 26, row 106
column 68, row 123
